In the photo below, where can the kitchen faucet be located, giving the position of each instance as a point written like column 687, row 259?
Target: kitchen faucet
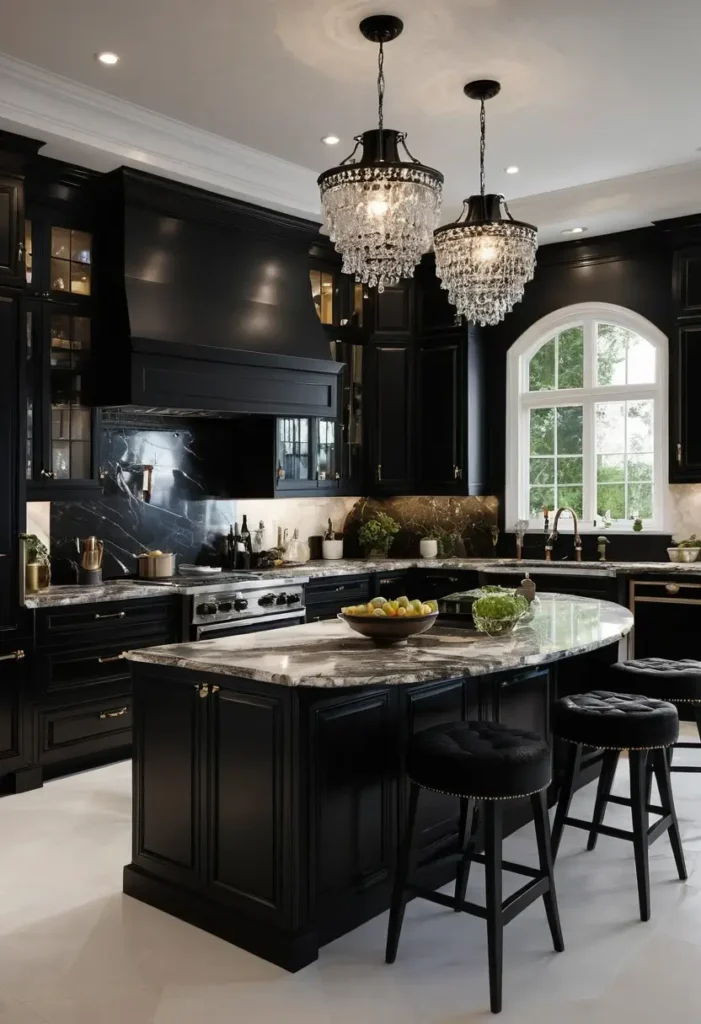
column 553, row 536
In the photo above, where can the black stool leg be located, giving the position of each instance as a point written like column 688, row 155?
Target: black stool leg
column 468, row 838
column 398, row 904
column 539, row 805
column 608, row 770
column 493, row 834
column 638, row 796
column 574, row 762
column 664, row 784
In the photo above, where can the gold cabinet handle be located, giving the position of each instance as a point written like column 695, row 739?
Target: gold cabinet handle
column 672, row 588
column 379, row 473
column 115, row 657
column 202, row 690
column 20, row 252
column 457, row 472
column 110, row 615
column 679, row 453
column 117, row 713
column 12, row 656
column 215, row 689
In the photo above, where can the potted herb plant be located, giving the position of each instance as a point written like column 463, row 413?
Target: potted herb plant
column 686, row 550
column 376, row 536
column 497, row 613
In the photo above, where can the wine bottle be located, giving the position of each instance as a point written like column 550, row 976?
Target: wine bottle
column 246, row 536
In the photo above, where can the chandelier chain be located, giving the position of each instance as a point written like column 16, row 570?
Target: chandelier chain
column 381, row 86
column 483, row 134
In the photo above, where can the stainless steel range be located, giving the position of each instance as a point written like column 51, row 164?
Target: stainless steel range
column 231, row 604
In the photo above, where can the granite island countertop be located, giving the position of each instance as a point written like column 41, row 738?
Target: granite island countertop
column 330, row 654
column 130, row 590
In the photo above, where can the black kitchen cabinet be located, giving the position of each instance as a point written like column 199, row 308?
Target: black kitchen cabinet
column 12, row 244
column 324, row 597
column 667, row 618
column 687, row 282
column 685, row 410
column 15, row 711
column 391, row 426
column 393, row 309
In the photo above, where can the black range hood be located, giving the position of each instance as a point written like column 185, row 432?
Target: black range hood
column 204, row 304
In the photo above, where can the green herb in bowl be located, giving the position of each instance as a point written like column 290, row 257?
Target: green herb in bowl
column 497, row 614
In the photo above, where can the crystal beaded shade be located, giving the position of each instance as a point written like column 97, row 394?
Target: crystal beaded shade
column 485, row 266
column 380, row 211
column 484, row 259
column 381, row 217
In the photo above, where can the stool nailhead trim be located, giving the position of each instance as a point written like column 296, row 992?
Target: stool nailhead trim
column 581, row 743
column 471, row 796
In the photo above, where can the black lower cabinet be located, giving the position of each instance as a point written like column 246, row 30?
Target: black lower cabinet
column 326, row 596
column 15, row 716
column 270, row 815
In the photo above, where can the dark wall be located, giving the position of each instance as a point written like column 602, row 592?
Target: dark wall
column 631, row 269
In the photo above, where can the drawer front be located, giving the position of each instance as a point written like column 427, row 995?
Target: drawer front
column 672, row 591
column 63, row 672
column 86, row 726
column 339, row 591
column 439, row 583
column 391, row 585
column 79, row 623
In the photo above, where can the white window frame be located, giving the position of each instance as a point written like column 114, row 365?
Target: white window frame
column 519, row 402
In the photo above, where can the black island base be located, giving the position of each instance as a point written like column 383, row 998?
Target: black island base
column 269, row 786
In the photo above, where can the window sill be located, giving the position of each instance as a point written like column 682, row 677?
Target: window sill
column 564, row 529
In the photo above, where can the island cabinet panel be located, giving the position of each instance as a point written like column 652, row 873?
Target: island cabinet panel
column 168, row 738
column 353, row 792
column 245, row 798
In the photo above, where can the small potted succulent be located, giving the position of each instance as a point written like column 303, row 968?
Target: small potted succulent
column 428, row 544
column 686, row 550
column 376, row 536
column 496, row 614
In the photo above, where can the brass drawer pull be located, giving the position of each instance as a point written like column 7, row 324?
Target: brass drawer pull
column 117, row 713
column 115, row 657
column 341, row 587
column 215, row 689
column 110, row 615
column 12, row 656
column 672, row 588
column 202, row 690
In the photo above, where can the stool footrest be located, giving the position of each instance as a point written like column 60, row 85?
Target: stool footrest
column 510, row 908
column 689, row 768
column 446, row 901
column 685, row 745
column 653, row 833
column 625, row 801
column 507, row 865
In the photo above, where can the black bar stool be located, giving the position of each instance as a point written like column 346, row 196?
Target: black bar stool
column 644, row 727
column 485, row 764
column 678, row 682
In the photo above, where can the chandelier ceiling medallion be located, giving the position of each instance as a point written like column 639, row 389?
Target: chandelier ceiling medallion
column 380, row 210
column 485, row 259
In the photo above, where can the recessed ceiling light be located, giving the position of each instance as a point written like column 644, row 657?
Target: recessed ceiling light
column 330, row 140
column 107, row 57
column 512, row 169
column 573, row 231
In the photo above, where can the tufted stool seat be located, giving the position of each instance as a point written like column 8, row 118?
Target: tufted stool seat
column 676, row 681
column 484, row 764
column 644, row 726
column 621, row 721
column 482, row 760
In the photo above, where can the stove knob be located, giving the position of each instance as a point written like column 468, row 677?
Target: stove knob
column 281, row 599
column 206, row 609
column 267, row 599
column 224, row 606
column 292, row 598
column 240, row 604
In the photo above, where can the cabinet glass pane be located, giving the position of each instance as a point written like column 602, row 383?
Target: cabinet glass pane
column 29, row 350
column 28, row 254
column 293, row 449
column 358, row 305
column 327, row 451
column 70, row 417
column 349, row 459
column 315, row 282
column 71, row 256
column 322, row 285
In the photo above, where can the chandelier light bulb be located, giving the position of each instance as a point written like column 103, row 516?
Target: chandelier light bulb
column 380, row 209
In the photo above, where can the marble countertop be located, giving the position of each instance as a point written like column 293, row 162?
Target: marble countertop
column 128, row 590
column 330, row 654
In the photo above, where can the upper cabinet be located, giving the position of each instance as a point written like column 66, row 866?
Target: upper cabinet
column 687, row 282
column 12, row 245
column 685, row 365
column 61, row 420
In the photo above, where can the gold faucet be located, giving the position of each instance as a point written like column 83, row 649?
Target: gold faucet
column 553, row 536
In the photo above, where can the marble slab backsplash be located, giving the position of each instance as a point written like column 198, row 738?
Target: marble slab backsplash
column 464, row 527
column 685, row 510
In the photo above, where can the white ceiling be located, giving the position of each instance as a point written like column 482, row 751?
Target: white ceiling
column 597, row 96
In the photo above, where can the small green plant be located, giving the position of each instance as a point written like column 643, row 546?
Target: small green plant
column 500, row 606
column 378, row 534
column 690, row 542
column 36, row 550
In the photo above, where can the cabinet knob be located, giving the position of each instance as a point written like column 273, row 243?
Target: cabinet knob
column 20, row 252
column 457, row 472
column 378, row 473
column 672, row 588
column 202, row 690
column 215, row 689
column 679, row 453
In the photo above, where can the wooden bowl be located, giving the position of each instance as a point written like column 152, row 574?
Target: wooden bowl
column 387, row 632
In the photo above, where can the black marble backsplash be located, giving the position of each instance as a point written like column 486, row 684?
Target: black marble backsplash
column 169, row 507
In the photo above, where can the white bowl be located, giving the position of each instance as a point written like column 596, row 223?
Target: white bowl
column 683, row 554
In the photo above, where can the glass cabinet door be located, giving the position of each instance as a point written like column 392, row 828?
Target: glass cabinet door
column 71, row 259
column 323, row 292
column 328, row 450
column 294, row 449
column 350, row 445
column 70, row 426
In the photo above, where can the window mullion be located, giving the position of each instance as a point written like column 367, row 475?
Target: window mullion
column 589, row 460
column 589, row 355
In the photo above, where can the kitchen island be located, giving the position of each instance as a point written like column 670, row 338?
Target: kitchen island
column 269, row 790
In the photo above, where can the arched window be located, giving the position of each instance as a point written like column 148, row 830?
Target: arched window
column 587, row 418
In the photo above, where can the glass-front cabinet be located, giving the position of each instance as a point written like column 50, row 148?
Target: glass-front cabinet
column 60, row 459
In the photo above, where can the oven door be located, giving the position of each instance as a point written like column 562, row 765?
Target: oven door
column 215, row 630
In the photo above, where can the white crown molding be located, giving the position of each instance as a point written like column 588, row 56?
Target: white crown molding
column 46, row 105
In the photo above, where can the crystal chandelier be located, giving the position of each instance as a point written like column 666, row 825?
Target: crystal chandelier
column 485, row 259
column 380, row 210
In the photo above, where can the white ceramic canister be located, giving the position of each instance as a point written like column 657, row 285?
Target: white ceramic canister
column 331, row 549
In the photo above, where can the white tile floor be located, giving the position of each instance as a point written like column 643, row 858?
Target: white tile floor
column 73, row 950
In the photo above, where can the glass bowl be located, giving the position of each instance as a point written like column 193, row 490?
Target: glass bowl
column 495, row 627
